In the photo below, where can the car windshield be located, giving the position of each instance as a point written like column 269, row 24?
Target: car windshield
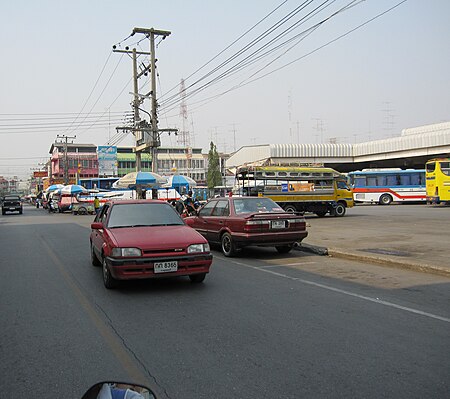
column 247, row 205
column 144, row 214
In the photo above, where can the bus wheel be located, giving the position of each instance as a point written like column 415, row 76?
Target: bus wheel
column 290, row 208
column 385, row 199
column 339, row 210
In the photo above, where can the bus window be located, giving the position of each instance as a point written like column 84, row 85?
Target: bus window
column 371, row 180
column 393, row 180
column 445, row 168
column 360, row 181
column 431, row 167
column 416, row 179
column 381, row 180
column 405, row 180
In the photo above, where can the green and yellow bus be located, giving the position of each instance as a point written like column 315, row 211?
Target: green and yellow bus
column 437, row 172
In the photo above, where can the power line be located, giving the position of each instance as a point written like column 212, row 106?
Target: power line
column 90, row 94
column 226, row 48
column 245, row 83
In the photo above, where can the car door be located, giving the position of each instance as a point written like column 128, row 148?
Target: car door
column 98, row 235
column 217, row 220
column 202, row 221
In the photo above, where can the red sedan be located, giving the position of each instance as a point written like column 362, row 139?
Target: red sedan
column 237, row 222
column 139, row 239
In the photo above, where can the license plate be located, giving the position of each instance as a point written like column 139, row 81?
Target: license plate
column 12, row 209
column 165, row 267
column 278, row 224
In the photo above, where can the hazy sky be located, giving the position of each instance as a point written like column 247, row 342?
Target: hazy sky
column 59, row 76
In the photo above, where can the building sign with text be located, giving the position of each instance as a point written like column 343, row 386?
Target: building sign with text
column 107, row 160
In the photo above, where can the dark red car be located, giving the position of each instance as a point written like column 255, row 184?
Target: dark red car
column 137, row 239
column 237, row 222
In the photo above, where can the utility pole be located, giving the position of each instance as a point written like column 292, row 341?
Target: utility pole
column 142, row 129
column 66, row 163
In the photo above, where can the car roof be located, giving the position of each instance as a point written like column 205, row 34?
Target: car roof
column 136, row 201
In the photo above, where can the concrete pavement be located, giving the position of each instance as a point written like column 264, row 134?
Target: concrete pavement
column 407, row 236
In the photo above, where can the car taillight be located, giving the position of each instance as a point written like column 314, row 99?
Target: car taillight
column 256, row 225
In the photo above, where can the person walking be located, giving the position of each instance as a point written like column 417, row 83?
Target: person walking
column 96, row 205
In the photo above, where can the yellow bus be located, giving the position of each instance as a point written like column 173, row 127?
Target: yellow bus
column 437, row 172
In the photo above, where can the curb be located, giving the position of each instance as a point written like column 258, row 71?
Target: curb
column 383, row 261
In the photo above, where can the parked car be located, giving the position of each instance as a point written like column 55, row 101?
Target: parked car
column 138, row 239
column 11, row 203
column 237, row 222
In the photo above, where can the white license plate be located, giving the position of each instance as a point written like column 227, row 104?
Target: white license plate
column 12, row 209
column 278, row 224
column 165, row 267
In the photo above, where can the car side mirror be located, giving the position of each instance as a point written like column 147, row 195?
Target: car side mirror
column 96, row 225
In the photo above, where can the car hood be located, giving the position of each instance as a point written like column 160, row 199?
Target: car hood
column 156, row 237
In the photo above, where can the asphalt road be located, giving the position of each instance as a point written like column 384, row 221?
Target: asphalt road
column 261, row 326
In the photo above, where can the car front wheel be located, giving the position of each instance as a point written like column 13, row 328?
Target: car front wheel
column 94, row 259
column 228, row 246
column 197, row 278
column 109, row 281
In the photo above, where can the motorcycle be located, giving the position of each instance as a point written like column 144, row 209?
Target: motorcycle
column 118, row 390
column 52, row 207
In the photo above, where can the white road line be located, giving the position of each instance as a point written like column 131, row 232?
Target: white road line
column 329, row 288
column 288, row 264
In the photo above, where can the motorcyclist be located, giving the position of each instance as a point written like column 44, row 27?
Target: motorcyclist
column 189, row 203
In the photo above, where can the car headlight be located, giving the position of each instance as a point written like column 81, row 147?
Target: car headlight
column 122, row 252
column 196, row 248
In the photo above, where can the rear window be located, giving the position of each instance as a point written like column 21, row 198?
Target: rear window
column 248, row 205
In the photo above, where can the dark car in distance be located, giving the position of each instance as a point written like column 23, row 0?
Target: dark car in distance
column 238, row 222
column 140, row 239
column 11, row 203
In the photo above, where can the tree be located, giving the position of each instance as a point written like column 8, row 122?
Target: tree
column 214, row 176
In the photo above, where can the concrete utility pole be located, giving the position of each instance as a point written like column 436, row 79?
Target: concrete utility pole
column 66, row 163
column 141, row 128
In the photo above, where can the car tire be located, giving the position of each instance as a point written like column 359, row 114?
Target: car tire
column 321, row 214
column 94, row 259
column 339, row 211
column 82, row 210
column 284, row 249
column 197, row 278
column 227, row 244
column 108, row 280
column 20, row 212
column 385, row 199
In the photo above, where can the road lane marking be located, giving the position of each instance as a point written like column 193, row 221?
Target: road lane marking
column 111, row 339
column 340, row 291
column 288, row 264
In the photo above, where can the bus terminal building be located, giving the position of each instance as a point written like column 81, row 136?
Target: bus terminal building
column 411, row 150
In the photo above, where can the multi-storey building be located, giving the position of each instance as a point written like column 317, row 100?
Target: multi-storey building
column 73, row 160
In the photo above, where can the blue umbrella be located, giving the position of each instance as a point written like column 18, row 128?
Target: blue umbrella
column 72, row 189
column 176, row 181
column 144, row 179
column 54, row 187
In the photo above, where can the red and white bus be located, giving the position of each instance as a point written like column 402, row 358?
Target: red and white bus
column 383, row 186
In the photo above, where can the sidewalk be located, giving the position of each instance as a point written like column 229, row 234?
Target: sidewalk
column 407, row 236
